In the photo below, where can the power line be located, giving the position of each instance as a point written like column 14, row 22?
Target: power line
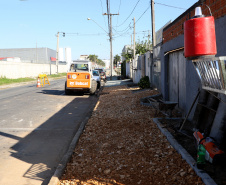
column 85, row 34
column 136, row 21
column 130, row 13
column 143, row 14
column 102, row 11
column 124, row 29
column 171, row 6
column 118, row 11
column 125, row 33
column 119, row 6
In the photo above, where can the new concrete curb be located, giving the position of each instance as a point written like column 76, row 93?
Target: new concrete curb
column 185, row 155
column 63, row 163
column 60, row 168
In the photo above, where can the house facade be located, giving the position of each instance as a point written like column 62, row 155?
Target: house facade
column 177, row 79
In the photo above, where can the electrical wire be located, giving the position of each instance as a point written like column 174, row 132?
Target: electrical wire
column 122, row 34
column 126, row 34
column 130, row 13
column 135, row 22
column 118, row 11
column 85, row 34
column 170, row 6
column 143, row 14
column 124, row 29
column 102, row 11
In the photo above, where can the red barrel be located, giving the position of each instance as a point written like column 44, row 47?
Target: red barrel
column 199, row 37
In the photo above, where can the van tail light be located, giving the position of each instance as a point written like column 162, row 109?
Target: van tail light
column 69, row 76
column 87, row 76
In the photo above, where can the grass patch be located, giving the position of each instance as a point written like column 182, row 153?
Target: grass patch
column 57, row 75
column 5, row 81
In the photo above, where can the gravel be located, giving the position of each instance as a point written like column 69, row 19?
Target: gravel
column 122, row 145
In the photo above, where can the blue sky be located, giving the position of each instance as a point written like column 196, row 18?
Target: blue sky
column 25, row 23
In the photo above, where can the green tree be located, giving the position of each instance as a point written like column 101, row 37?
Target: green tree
column 117, row 59
column 100, row 62
column 141, row 48
column 93, row 58
column 128, row 54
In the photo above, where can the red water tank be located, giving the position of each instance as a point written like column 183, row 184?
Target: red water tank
column 199, row 37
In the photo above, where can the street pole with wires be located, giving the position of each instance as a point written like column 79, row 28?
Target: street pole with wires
column 110, row 35
column 153, row 23
column 153, row 35
column 57, row 53
column 134, row 44
column 111, row 57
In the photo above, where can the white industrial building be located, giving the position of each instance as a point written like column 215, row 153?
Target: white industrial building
column 29, row 55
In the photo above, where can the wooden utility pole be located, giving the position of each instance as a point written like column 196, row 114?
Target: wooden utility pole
column 110, row 35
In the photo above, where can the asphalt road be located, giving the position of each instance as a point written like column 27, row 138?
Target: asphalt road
column 37, row 126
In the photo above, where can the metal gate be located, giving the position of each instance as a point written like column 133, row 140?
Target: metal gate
column 177, row 78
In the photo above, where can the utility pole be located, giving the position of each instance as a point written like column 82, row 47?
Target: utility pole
column 110, row 35
column 134, row 43
column 149, row 39
column 111, row 57
column 153, row 38
column 57, row 53
column 153, row 23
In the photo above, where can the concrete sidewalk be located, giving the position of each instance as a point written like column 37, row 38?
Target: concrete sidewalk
column 116, row 82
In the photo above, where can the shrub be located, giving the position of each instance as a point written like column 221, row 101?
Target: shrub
column 144, row 82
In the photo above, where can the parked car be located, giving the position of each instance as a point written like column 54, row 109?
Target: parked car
column 102, row 74
column 100, row 70
column 97, row 77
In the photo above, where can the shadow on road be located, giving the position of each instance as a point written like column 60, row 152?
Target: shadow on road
column 9, row 136
column 45, row 146
column 52, row 92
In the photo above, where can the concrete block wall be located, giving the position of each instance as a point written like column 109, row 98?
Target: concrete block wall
column 15, row 70
column 136, row 76
column 128, row 64
column 147, row 63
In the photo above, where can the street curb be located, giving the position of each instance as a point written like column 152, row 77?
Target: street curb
column 63, row 163
column 185, row 155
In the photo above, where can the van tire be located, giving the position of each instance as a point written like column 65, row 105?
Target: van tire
column 93, row 87
column 98, row 85
column 67, row 91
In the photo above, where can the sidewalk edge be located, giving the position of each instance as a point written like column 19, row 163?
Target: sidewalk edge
column 63, row 163
column 185, row 155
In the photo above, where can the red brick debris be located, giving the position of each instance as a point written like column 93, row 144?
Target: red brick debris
column 121, row 145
